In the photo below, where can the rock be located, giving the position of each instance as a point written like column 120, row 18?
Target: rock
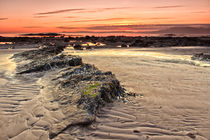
column 79, row 89
column 124, row 46
column 191, row 135
column 44, row 59
column 78, row 47
column 38, row 54
column 47, row 63
column 89, row 47
column 201, row 57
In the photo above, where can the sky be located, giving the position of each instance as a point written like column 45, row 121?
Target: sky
column 131, row 17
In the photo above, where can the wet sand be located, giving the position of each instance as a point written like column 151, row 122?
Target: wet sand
column 175, row 102
column 26, row 111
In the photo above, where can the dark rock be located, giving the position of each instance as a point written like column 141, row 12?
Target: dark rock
column 89, row 47
column 38, row 54
column 79, row 89
column 124, row 46
column 48, row 63
column 110, row 41
column 44, row 59
column 136, row 131
column 201, row 57
column 191, row 135
column 78, row 47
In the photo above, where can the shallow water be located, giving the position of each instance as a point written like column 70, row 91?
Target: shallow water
column 175, row 90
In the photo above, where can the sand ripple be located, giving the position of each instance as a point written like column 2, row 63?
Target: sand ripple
column 175, row 102
column 13, row 94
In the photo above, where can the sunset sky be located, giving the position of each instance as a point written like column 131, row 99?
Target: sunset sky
column 109, row 16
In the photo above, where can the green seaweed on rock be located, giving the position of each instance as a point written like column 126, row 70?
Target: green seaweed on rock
column 91, row 90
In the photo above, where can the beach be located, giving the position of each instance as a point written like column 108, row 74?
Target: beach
column 25, row 111
column 105, row 70
column 174, row 93
column 171, row 97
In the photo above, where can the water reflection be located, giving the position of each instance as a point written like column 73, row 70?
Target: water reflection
column 6, row 43
column 98, row 44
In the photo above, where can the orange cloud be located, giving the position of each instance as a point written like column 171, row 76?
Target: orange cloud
column 147, row 29
column 3, row 18
column 29, row 16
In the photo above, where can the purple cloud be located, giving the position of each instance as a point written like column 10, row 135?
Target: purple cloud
column 106, row 19
column 193, row 29
column 169, row 6
column 65, row 27
column 59, row 11
column 81, row 10
column 103, row 9
column 184, row 30
column 40, row 16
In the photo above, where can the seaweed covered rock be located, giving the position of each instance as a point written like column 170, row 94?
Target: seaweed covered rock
column 47, row 63
column 80, row 90
column 38, row 54
column 44, row 59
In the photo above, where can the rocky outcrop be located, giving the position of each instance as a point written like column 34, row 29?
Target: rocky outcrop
column 48, row 63
column 124, row 45
column 79, row 89
column 38, row 54
column 109, row 41
column 78, row 47
column 201, row 57
column 44, row 59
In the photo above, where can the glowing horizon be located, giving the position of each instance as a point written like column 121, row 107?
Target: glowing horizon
column 110, row 16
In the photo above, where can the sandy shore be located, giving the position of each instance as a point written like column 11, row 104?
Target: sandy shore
column 25, row 109
column 175, row 102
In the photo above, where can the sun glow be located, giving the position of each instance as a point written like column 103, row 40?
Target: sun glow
column 85, row 16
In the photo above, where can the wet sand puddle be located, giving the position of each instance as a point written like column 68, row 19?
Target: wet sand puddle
column 174, row 101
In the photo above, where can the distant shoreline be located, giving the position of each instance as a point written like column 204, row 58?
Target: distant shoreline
column 90, row 42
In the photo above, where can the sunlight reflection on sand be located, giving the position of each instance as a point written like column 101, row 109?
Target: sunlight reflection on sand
column 7, row 67
column 162, row 57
